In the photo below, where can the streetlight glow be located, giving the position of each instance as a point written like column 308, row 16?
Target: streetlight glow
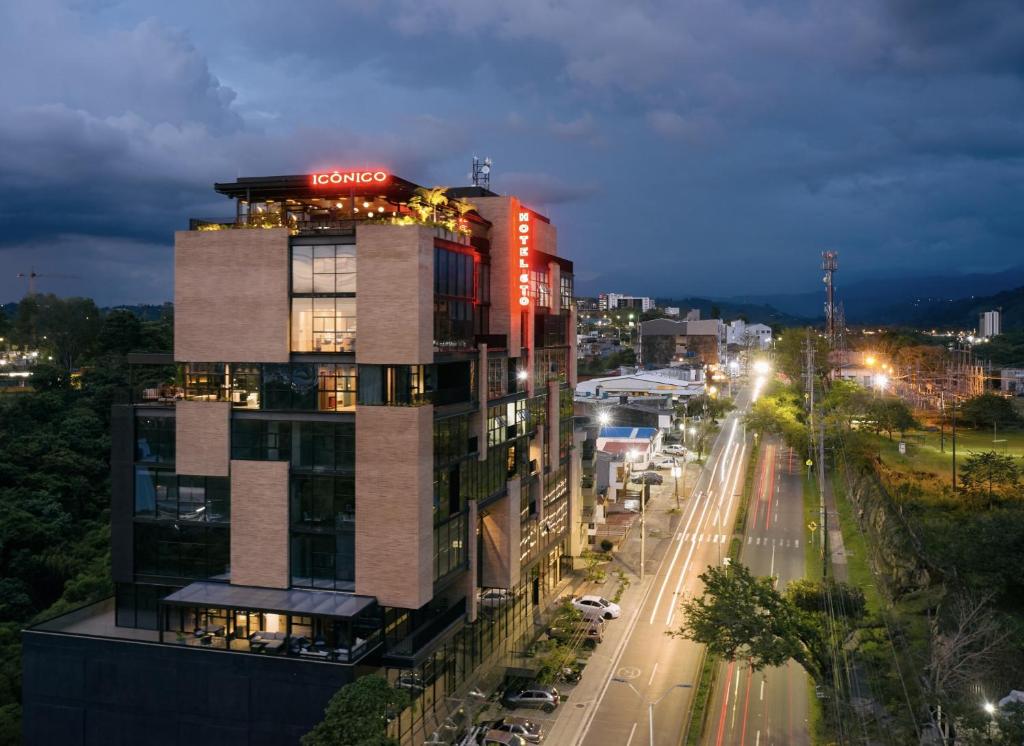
column 762, row 367
column 990, row 708
column 603, row 418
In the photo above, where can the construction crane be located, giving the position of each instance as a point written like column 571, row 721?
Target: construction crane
column 31, row 276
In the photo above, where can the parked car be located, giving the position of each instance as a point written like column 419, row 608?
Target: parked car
column 595, row 607
column 492, row 598
column 664, row 463
column 529, row 730
column 674, row 450
column 592, row 629
column 495, row 737
column 533, row 695
column 647, row 477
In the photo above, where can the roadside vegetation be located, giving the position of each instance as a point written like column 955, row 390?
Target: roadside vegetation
column 54, row 468
column 936, row 562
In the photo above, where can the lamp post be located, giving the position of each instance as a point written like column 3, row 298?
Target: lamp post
column 651, row 705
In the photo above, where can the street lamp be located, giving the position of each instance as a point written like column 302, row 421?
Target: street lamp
column 651, row 705
column 762, row 367
column 603, row 418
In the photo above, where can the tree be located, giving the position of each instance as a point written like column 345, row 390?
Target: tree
column 988, row 473
column 741, row 616
column 358, row 714
column 987, row 410
column 891, row 414
column 434, row 197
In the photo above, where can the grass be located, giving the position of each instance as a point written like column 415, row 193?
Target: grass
column 812, row 514
column 925, row 457
column 858, row 571
column 701, row 698
column 709, row 668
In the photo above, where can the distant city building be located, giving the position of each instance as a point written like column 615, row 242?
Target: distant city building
column 617, row 301
column 1011, row 381
column 757, row 336
column 671, row 310
column 666, row 342
column 989, row 324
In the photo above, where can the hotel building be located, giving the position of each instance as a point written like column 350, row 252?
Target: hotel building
column 371, row 429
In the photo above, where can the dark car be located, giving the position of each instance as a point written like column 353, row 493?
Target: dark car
column 534, row 695
column 586, row 630
column 647, row 477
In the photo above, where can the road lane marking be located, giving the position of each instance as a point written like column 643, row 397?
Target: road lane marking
column 682, row 573
column 653, row 671
column 771, row 572
column 725, row 705
column 746, row 705
column 762, row 690
column 757, row 741
column 797, row 542
column 631, row 732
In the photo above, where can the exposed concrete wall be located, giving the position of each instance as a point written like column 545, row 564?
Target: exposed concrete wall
column 395, row 294
column 394, row 504
column 501, row 532
column 259, row 523
column 202, row 438
column 231, row 296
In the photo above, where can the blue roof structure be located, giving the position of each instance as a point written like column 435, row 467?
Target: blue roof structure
column 628, row 433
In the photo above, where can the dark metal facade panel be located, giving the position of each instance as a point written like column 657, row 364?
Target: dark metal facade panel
column 122, row 492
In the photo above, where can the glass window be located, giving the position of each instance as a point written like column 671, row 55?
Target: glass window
column 302, row 269
column 260, row 440
column 154, row 440
column 336, row 388
column 207, row 382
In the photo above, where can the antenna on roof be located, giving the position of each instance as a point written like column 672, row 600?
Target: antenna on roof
column 481, row 174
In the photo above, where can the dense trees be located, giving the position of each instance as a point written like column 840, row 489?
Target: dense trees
column 987, row 410
column 54, row 469
column 358, row 714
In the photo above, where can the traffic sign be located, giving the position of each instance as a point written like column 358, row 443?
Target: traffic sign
column 812, row 526
column 808, row 462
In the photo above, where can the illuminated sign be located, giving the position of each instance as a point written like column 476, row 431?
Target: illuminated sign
column 523, row 240
column 348, row 177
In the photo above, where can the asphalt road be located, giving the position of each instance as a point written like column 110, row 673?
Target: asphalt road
column 770, row 706
column 648, row 665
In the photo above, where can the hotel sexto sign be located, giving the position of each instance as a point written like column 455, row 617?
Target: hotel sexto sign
column 349, row 178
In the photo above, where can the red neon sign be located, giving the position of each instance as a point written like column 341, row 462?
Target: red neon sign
column 523, row 242
column 336, row 178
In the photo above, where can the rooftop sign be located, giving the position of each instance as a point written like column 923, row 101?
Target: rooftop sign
column 336, row 178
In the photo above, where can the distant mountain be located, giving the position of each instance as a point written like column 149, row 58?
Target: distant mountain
column 873, row 300
column 961, row 313
column 754, row 313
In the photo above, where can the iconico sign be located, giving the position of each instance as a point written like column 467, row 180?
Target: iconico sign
column 336, row 178
column 524, row 240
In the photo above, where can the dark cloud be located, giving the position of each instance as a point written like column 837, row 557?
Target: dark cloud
column 686, row 146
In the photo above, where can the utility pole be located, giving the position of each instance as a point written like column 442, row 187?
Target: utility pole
column 644, row 494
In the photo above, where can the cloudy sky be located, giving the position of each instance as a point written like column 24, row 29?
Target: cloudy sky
column 682, row 147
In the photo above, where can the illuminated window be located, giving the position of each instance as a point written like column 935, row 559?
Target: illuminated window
column 323, row 298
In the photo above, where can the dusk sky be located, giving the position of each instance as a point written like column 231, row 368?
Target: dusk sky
column 682, row 147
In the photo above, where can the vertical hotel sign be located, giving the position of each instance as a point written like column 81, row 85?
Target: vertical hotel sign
column 524, row 241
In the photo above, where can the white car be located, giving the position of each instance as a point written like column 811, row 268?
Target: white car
column 493, row 598
column 664, row 463
column 673, row 450
column 595, row 607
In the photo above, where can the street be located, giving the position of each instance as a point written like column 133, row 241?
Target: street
column 646, row 665
column 770, row 706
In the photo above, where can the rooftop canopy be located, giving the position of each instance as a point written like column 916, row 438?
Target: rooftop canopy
column 278, row 601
